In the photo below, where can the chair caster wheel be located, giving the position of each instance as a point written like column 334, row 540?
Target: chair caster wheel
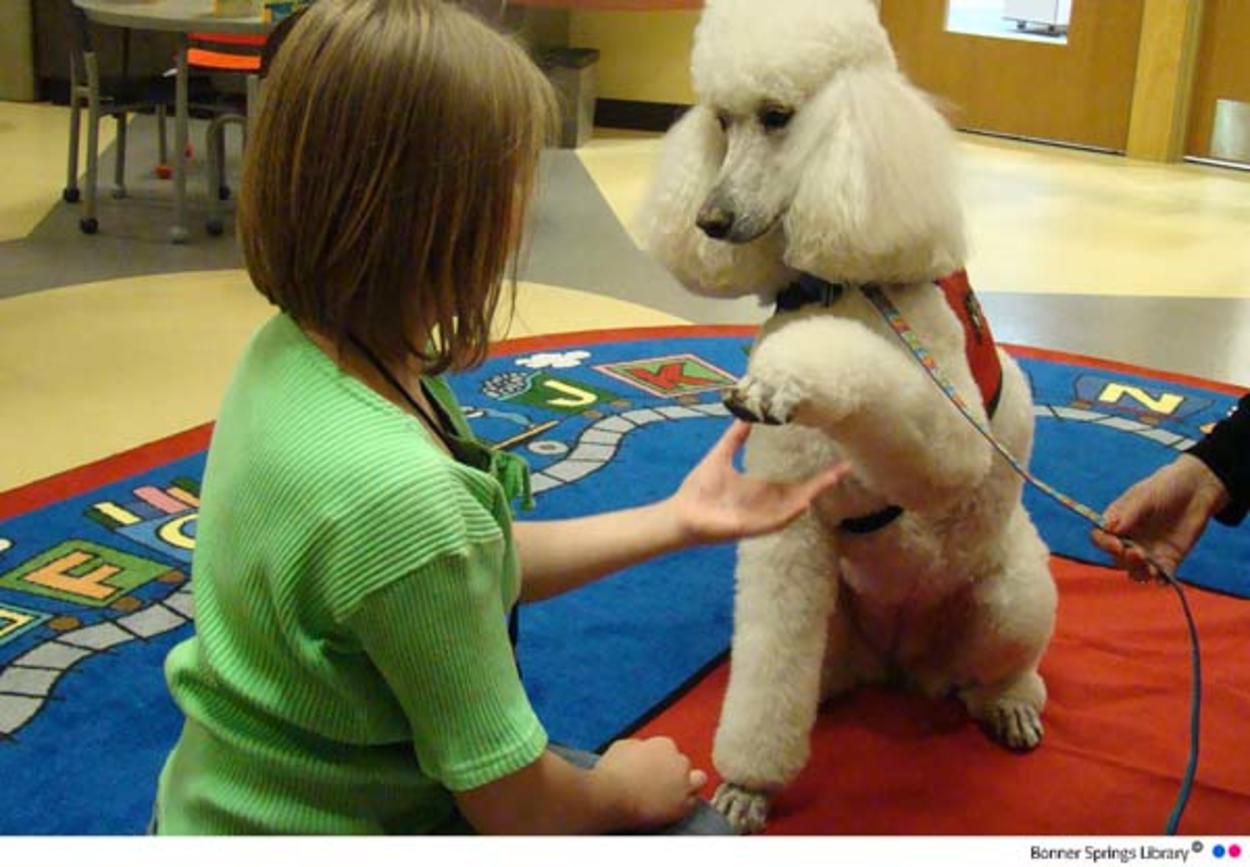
column 215, row 227
column 119, row 192
column 223, row 192
column 70, row 194
column 88, row 225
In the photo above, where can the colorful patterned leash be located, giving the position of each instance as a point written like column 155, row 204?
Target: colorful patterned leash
column 905, row 333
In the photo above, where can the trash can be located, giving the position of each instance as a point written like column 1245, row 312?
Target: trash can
column 1230, row 132
column 572, row 73
column 17, row 51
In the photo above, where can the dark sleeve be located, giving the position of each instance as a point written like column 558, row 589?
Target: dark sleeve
column 1226, row 450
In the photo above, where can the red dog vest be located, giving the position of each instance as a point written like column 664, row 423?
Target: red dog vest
column 979, row 346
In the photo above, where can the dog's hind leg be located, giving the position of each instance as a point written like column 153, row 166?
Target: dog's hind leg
column 785, row 594
column 1011, row 710
column 1011, row 625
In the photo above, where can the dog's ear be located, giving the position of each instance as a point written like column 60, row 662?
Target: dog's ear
column 690, row 162
column 876, row 198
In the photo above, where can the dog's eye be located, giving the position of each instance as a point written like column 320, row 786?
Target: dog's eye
column 776, row 117
column 724, row 120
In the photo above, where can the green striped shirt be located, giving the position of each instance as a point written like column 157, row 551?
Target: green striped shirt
column 351, row 664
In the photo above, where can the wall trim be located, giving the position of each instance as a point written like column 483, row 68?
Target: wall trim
column 633, row 114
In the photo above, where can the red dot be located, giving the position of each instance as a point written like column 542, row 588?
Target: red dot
column 1234, row 851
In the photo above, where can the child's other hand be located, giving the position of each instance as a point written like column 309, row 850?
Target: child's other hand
column 654, row 781
column 717, row 503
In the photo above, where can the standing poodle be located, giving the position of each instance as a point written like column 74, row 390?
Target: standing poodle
column 810, row 167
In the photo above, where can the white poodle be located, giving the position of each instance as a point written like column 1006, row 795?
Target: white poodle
column 810, row 167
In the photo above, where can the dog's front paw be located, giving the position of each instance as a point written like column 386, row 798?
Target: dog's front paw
column 756, row 399
column 745, row 810
column 1015, row 724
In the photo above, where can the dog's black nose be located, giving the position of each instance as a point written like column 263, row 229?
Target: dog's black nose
column 715, row 222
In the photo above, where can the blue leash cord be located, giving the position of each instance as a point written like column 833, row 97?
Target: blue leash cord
column 904, row 332
column 1195, row 710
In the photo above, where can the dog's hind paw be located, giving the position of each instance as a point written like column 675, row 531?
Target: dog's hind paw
column 745, row 810
column 755, row 400
column 1015, row 725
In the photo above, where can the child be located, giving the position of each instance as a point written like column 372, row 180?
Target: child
column 356, row 561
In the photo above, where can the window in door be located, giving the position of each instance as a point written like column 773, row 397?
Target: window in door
column 1031, row 20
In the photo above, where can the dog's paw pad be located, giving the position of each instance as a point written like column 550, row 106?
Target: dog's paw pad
column 745, row 810
column 758, row 401
column 1016, row 725
column 736, row 402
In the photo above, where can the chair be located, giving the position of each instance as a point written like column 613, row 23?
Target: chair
column 230, row 55
column 121, row 97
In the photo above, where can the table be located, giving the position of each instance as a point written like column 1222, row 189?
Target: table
column 182, row 17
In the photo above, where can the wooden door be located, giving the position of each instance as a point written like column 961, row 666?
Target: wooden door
column 1077, row 91
column 1222, row 70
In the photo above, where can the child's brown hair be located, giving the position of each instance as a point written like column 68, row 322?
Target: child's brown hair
column 385, row 179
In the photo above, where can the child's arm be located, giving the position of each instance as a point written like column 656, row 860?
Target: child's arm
column 714, row 504
column 558, row 556
column 636, row 785
column 439, row 639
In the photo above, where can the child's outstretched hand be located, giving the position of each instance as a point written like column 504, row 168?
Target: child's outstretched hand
column 716, row 503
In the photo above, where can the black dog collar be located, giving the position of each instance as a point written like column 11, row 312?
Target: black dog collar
column 808, row 290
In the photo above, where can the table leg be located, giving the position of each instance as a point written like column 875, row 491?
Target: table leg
column 179, row 232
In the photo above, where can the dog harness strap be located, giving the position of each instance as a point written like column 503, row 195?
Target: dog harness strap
column 808, row 290
column 930, row 365
column 871, row 523
column 979, row 346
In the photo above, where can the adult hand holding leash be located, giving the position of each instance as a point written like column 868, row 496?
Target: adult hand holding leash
column 1164, row 514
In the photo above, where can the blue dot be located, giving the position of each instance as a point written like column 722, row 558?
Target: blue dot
column 1217, row 850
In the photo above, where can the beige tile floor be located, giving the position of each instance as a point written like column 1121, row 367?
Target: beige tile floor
column 1051, row 220
column 33, row 154
column 88, row 370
